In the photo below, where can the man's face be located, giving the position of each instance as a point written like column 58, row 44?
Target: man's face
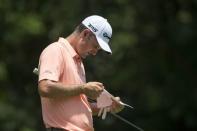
column 88, row 44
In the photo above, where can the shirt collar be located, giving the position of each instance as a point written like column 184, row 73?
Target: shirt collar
column 70, row 49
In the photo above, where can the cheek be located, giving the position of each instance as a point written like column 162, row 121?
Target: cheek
column 82, row 49
column 85, row 47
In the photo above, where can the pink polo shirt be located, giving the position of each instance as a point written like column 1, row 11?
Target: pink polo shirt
column 60, row 62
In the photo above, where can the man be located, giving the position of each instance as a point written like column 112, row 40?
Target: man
column 62, row 84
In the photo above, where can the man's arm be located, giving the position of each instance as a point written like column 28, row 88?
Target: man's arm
column 53, row 89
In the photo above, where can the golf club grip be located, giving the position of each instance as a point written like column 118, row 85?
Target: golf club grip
column 35, row 71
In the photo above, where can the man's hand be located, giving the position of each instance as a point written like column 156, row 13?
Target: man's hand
column 114, row 108
column 116, row 105
column 92, row 89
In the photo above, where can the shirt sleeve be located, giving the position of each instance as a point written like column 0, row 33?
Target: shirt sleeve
column 50, row 63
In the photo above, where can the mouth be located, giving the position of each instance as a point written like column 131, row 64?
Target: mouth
column 87, row 54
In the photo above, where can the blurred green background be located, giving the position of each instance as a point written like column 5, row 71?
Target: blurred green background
column 153, row 66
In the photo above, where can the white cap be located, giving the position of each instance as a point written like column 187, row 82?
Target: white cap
column 102, row 30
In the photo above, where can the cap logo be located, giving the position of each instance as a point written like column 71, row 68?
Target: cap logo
column 93, row 28
column 106, row 35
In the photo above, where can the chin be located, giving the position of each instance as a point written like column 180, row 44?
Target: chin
column 83, row 57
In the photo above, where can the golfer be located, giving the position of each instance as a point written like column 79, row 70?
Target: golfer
column 62, row 83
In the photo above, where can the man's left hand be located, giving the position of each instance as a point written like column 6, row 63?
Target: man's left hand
column 116, row 105
column 114, row 108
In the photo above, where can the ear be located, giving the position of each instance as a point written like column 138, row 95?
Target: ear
column 85, row 34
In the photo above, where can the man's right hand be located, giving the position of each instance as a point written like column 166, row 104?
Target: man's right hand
column 92, row 89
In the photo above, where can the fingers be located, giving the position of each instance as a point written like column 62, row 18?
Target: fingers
column 117, row 105
column 98, row 83
column 104, row 112
column 93, row 89
column 116, row 99
column 116, row 110
column 100, row 112
column 95, row 85
column 100, row 86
